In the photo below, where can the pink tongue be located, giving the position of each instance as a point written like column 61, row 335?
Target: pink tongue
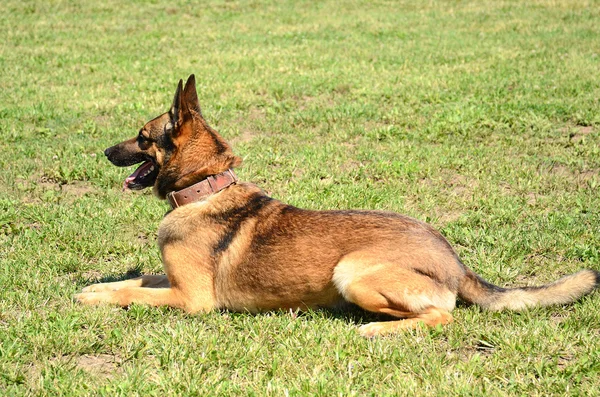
column 135, row 174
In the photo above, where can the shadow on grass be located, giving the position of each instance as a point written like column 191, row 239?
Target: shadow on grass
column 349, row 313
column 131, row 273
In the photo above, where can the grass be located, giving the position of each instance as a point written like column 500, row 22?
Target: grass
column 480, row 117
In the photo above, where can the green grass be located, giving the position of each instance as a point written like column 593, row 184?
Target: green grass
column 481, row 117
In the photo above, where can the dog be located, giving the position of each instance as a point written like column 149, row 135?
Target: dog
column 228, row 245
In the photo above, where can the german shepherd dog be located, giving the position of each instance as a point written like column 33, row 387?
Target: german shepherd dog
column 227, row 245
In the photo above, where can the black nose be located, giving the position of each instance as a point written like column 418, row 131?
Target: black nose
column 107, row 152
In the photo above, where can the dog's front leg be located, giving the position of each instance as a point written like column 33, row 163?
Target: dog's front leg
column 127, row 296
column 148, row 296
column 147, row 280
column 189, row 286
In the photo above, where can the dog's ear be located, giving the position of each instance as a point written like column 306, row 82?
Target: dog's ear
column 175, row 110
column 190, row 98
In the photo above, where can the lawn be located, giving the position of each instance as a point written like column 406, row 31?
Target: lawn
column 480, row 117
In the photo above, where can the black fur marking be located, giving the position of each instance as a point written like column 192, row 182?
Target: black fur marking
column 424, row 273
column 597, row 274
column 220, row 148
column 233, row 220
column 433, row 277
column 484, row 284
column 532, row 288
column 289, row 209
column 225, row 240
column 271, row 234
column 167, row 178
column 382, row 215
column 165, row 142
column 122, row 156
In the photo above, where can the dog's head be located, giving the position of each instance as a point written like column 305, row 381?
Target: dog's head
column 176, row 149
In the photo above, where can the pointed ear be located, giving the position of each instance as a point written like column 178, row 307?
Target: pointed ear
column 190, row 97
column 176, row 106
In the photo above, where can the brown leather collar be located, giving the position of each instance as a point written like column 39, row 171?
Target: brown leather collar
column 202, row 189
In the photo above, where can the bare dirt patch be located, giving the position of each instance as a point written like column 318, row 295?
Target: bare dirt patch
column 92, row 275
column 77, row 188
column 248, row 122
column 104, row 365
column 456, row 185
column 557, row 318
column 580, row 178
column 304, row 101
column 256, row 114
column 102, row 120
column 350, row 166
column 44, row 183
column 462, row 186
column 298, row 173
column 564, row 360
column 482, row 350
column 246, row 136
column 61, row 189
column 458, row 190
column 532, row 198
column 580, row 133
column 447, row 216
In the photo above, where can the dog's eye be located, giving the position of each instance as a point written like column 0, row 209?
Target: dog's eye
column 142, row 138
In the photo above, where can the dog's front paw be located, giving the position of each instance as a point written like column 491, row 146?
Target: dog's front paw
column 101, row 287
column 90, row 288
column 371, row 329
column 89, row 298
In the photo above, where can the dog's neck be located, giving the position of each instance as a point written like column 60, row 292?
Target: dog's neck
column 201, row 190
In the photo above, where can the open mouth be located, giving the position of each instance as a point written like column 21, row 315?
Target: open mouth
column 144, row 176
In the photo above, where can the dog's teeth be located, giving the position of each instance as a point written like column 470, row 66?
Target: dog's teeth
column 148, row 171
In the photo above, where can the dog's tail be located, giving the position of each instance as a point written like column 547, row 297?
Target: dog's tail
column 474, row 289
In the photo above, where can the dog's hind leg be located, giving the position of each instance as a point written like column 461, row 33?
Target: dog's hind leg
column 389, row 288
column 149, row 281
column 431, row 317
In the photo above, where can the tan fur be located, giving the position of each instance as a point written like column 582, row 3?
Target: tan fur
column 565, row 290
column 242, row 250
